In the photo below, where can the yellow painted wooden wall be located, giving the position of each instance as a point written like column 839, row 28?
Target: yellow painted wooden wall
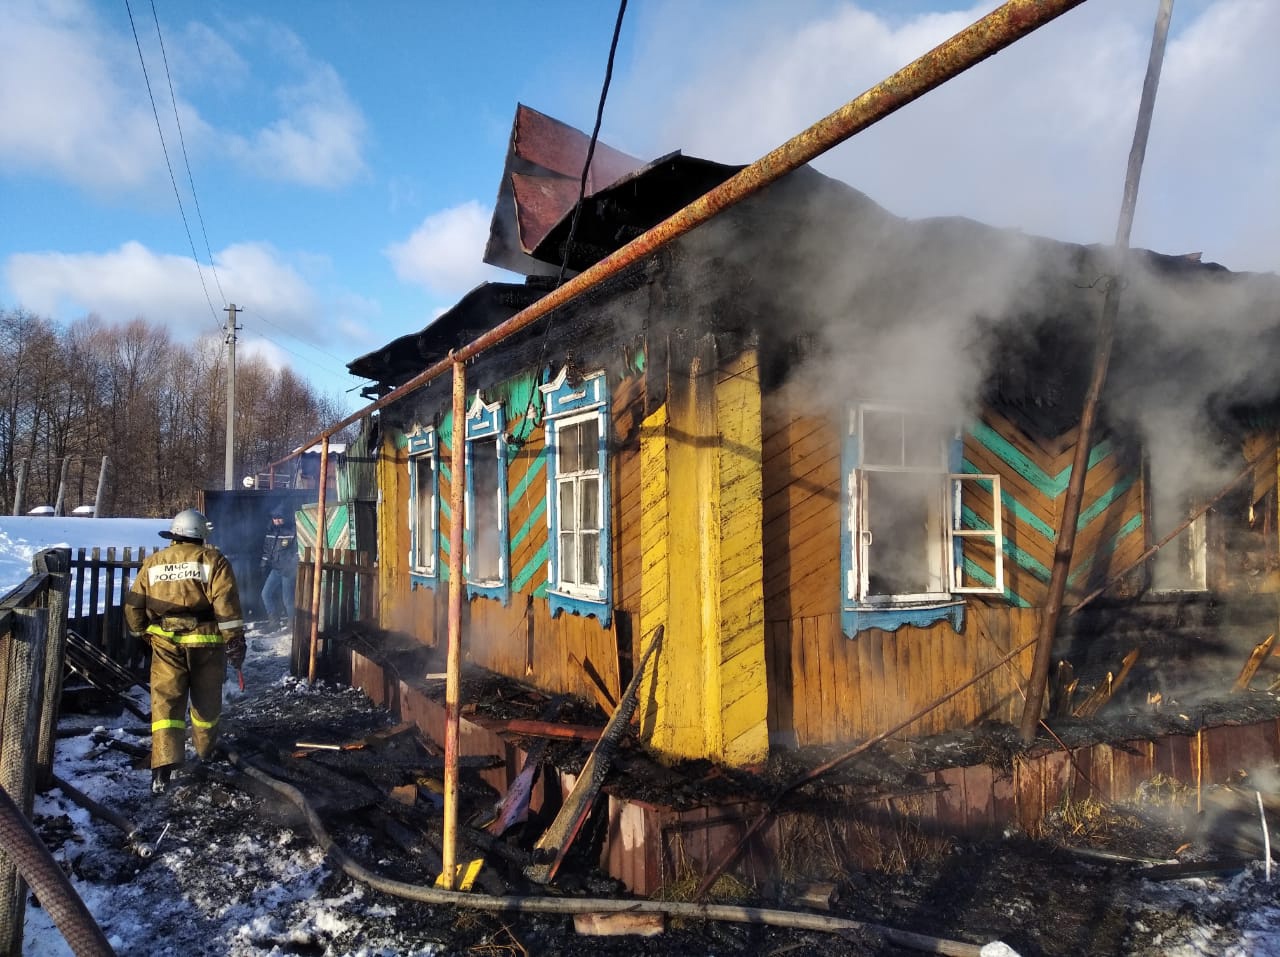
column 701, row 563
column 521, row 639
column 400, row 608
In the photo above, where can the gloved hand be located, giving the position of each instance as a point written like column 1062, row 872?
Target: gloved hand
column 235, row 649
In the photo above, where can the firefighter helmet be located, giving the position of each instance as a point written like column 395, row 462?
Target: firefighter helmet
column 189, row 524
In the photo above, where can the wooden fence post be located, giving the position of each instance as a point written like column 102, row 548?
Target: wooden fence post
column 56, row 562
column 23, row 663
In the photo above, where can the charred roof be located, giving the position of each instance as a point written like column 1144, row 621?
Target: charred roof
column 811, row 268
column 481, row 309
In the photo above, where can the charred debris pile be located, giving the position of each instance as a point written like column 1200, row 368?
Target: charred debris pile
column 559, row 733
column 375, row 784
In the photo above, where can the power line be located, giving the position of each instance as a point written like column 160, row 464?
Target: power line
column 582, row 187
column 185, row 158
column 284, row 348
column 172, row 179
column 595, row 135
column 287, row 332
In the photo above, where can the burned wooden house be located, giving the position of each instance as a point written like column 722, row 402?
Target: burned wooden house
column 827, row 449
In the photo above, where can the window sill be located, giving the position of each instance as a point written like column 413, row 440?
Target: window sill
column 422, row 580
column 598, row 608
column 498, row 591
column 856, row 618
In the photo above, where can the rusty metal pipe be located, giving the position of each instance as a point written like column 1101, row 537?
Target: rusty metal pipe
column 1065, row 545
column 453, row 662
column 983, row 38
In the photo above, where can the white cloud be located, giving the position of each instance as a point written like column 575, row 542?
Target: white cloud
column 67, row 111
column 76, row 106
column 317, row 141
column 444, row 255
column 135, row 281
column 1036, row 137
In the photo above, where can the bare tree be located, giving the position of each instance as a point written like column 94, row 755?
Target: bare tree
column 156, row 407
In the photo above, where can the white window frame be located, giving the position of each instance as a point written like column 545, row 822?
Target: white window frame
column 486, row 421
column 594, row 475
column 956, row 534
column 1197, row 541
column 945, row 506
column 422, row 446
column 567, row 406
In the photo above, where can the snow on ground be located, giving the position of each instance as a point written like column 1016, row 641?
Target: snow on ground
column 221, row 880
column 230, row 878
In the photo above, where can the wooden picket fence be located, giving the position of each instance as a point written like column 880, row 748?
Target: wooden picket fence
column 100, row 579
column 348, row 596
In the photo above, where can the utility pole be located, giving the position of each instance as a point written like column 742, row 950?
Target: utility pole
column 229, row 472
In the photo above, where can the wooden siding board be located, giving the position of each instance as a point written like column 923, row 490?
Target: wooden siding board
column 801, row 653
column 1012, row 483
column 792, row 504
column 777, row 644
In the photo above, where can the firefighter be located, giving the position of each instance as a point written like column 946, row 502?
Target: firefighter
column 186, row 601
column 280, row 566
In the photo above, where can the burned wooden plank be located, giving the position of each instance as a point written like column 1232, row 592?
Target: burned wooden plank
column 1106, row 689
column 102, row 672
column 1259, row 655
column 535, row 728
column 1064, row 689
column 514, row 806
column 560, row 835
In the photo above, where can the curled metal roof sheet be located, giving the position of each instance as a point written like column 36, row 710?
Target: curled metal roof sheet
column 540, row 183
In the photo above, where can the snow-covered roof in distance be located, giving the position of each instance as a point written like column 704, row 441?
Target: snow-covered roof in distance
column 334, row 448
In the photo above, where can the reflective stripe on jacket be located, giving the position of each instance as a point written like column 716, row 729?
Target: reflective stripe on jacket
column 186, row 593
column 188, row 637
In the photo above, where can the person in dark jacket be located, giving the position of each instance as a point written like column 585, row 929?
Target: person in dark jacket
column 185, row 600
column 280, row 565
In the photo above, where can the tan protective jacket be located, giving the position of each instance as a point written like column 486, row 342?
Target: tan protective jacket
column 186, row 593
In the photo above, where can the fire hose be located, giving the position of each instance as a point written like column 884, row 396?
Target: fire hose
column 131, row 833
column 731, row 913
column 24, row 848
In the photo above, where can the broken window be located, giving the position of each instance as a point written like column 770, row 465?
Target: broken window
column 917, row 533
column 1180, row 564
column 423, row 495
column 485, row 524
column 578, row 507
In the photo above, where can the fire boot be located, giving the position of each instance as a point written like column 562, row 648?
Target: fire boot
column 160, row 779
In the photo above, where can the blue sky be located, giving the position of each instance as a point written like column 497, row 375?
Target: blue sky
column 346, row 155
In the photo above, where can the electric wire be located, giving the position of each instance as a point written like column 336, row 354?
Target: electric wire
column 582, row 193
column 186, row 159
column 322, row 367
column 172, row 178
column 259, row 315
column 591, row 145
